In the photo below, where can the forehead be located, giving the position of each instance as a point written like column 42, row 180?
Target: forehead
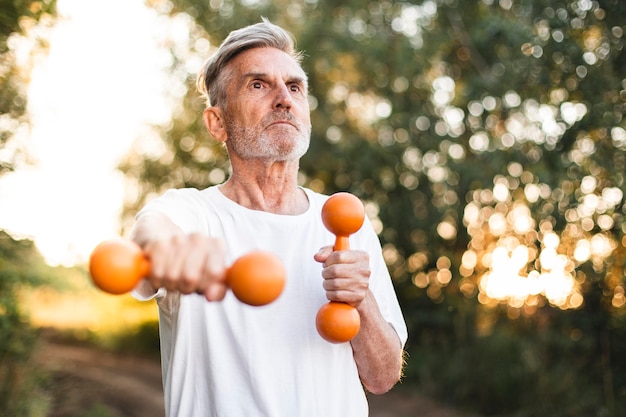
column 270, row 61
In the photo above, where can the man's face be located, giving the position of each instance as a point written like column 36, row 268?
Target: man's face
column 267, row 113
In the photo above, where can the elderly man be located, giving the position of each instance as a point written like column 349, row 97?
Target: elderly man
column 224, row 358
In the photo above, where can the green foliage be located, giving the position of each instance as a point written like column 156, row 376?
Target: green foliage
column 142, row 340
column 553, row 363
column 20, row 266
column 426, row 111
column 16, row 18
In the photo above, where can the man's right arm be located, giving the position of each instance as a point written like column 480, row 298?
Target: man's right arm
column 189, row 263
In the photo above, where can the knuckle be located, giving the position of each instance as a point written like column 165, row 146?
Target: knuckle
column 366, row 273
column 196, row 238
column 188, row 279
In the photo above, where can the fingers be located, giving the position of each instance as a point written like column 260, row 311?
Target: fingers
column 323, row 254
column 214, row 267
column 189, row 264
column 216, row 291
column 346, row 275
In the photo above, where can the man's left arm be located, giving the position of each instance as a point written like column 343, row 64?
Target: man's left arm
column 377, row 349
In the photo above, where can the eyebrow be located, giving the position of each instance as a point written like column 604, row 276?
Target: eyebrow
column 262, row 75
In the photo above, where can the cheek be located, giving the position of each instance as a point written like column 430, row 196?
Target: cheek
column 305, row 115
column 241, row 115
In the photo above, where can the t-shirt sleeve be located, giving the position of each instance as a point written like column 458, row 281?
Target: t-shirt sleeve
column 181, row 206
column 144, row 292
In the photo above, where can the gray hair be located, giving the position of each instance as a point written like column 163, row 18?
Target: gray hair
column 213, row 80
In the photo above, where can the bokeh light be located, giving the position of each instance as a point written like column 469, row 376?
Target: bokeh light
column 514, row 259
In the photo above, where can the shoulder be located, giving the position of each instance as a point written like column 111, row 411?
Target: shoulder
column 183, row 206
column 185, row 193
column 183, row 196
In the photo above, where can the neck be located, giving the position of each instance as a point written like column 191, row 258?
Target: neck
column 273, row 189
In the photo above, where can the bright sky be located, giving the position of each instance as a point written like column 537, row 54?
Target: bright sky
column 89, row 100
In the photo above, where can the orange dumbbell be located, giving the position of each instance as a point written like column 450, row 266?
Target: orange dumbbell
column 116, row 266
column 343, row 215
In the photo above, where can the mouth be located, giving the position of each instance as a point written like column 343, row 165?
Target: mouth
column 282, row 123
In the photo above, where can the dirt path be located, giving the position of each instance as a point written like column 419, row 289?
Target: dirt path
column 91, row 383
column 88, row 382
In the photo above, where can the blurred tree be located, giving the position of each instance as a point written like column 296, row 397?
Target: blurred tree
column 21, row 265
column 17, row 19
column 21, row 392
column 488, row 141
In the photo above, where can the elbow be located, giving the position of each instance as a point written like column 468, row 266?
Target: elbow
column 381, row 385
column 379, row 390
column 384, row 381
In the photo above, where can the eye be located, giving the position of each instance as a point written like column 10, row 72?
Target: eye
column 257, row 84
column 295, row 88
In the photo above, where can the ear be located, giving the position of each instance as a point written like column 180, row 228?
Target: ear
column 214, row 123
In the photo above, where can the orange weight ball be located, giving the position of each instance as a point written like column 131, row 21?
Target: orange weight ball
column 343, row 215
column 337, row 322
column 116, row 266
column 257, row 278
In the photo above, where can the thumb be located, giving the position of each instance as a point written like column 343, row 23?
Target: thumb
column 323, row 254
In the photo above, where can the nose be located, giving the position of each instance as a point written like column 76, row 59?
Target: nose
column 283, row 99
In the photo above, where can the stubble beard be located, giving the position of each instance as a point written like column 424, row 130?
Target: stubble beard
column 278, row 143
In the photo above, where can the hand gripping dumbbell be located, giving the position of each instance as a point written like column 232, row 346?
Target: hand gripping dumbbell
column 343, row 215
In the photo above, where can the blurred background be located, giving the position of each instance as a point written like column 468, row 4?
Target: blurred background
column 486, row 138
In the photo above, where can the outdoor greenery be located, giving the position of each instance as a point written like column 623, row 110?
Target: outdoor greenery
column 17, row 18
column 21, row 392
column 21, row 384
column 488, row 142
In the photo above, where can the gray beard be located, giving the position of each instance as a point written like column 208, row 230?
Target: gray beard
column 257, row 143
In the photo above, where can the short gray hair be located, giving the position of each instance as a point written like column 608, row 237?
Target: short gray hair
column 212, row 80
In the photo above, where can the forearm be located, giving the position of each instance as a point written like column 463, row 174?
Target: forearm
column 377, row 349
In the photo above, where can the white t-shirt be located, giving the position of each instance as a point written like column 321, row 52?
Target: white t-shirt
column 229, row 359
